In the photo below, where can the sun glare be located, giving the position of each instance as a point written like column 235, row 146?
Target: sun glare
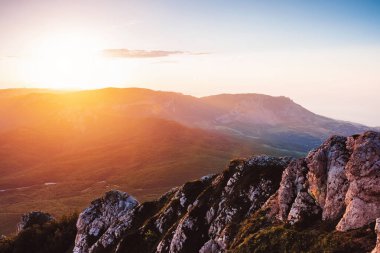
column 71, row 61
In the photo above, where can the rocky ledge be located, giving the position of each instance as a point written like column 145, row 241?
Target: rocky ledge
column 254, row 200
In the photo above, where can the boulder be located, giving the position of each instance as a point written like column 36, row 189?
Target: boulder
column 99, row 224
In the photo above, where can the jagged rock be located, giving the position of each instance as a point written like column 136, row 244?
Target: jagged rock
column 363, row 173
column 303, row 209
column 342, row 178
column 200, row 215
column 337, row 182
column 293, row 181
column 100, row 223
column 327, row 180
column 235, row 203
column 377, row 231
column 211, row 247
column 185, row 229
column 33, row 218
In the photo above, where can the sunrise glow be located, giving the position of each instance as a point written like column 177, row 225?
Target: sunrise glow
column 73, row 61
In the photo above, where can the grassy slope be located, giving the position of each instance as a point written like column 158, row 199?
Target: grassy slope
column 145, row 157
column 258, row 235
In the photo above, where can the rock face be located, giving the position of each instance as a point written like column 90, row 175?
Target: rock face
column 33, row 218
column 199, row 215
column 327, row 178
column 363, row 174
column 341, row 178
column 337, row 183
column 100, row 224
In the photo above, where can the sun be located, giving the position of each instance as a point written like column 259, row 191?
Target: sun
column 71, row 61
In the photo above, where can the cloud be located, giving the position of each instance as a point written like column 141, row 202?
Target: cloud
column 127, row 53
column 164, row 62
column 200, row 53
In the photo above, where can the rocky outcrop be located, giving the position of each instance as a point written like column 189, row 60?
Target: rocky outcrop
column 303, row 209
column 101, row 223
column 292, row 183
column 341, row 178
column 201, row 215
column 337, row 183
column 33, row 218
column 363, row 174
column 327, row 179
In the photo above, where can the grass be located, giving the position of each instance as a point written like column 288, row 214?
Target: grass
column 258, row 235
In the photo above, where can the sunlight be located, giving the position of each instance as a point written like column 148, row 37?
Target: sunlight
column 73, row 61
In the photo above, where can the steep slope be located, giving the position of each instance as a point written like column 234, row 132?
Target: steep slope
column 277, row 120
column 262, row 204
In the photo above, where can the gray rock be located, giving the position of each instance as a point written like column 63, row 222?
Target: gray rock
column 197, row 215
column 363, row 174
column 327, row 179
column 292, row 183
column 211, row 247
column 303, row 209
column 342, row 178
column 103, row 222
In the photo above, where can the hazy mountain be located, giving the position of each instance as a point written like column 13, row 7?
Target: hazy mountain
column 277, row 120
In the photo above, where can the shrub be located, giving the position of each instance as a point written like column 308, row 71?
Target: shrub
column 55, row 236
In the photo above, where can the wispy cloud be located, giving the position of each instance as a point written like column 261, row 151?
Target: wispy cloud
column 127, row 53
column 165, row 62
column 199, row 53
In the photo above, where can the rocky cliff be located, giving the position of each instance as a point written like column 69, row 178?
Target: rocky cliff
column 326, row 201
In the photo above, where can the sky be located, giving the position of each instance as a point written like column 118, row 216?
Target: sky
column 325, row 55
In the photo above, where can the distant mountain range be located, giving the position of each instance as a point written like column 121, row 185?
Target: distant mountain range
column 59, row 150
